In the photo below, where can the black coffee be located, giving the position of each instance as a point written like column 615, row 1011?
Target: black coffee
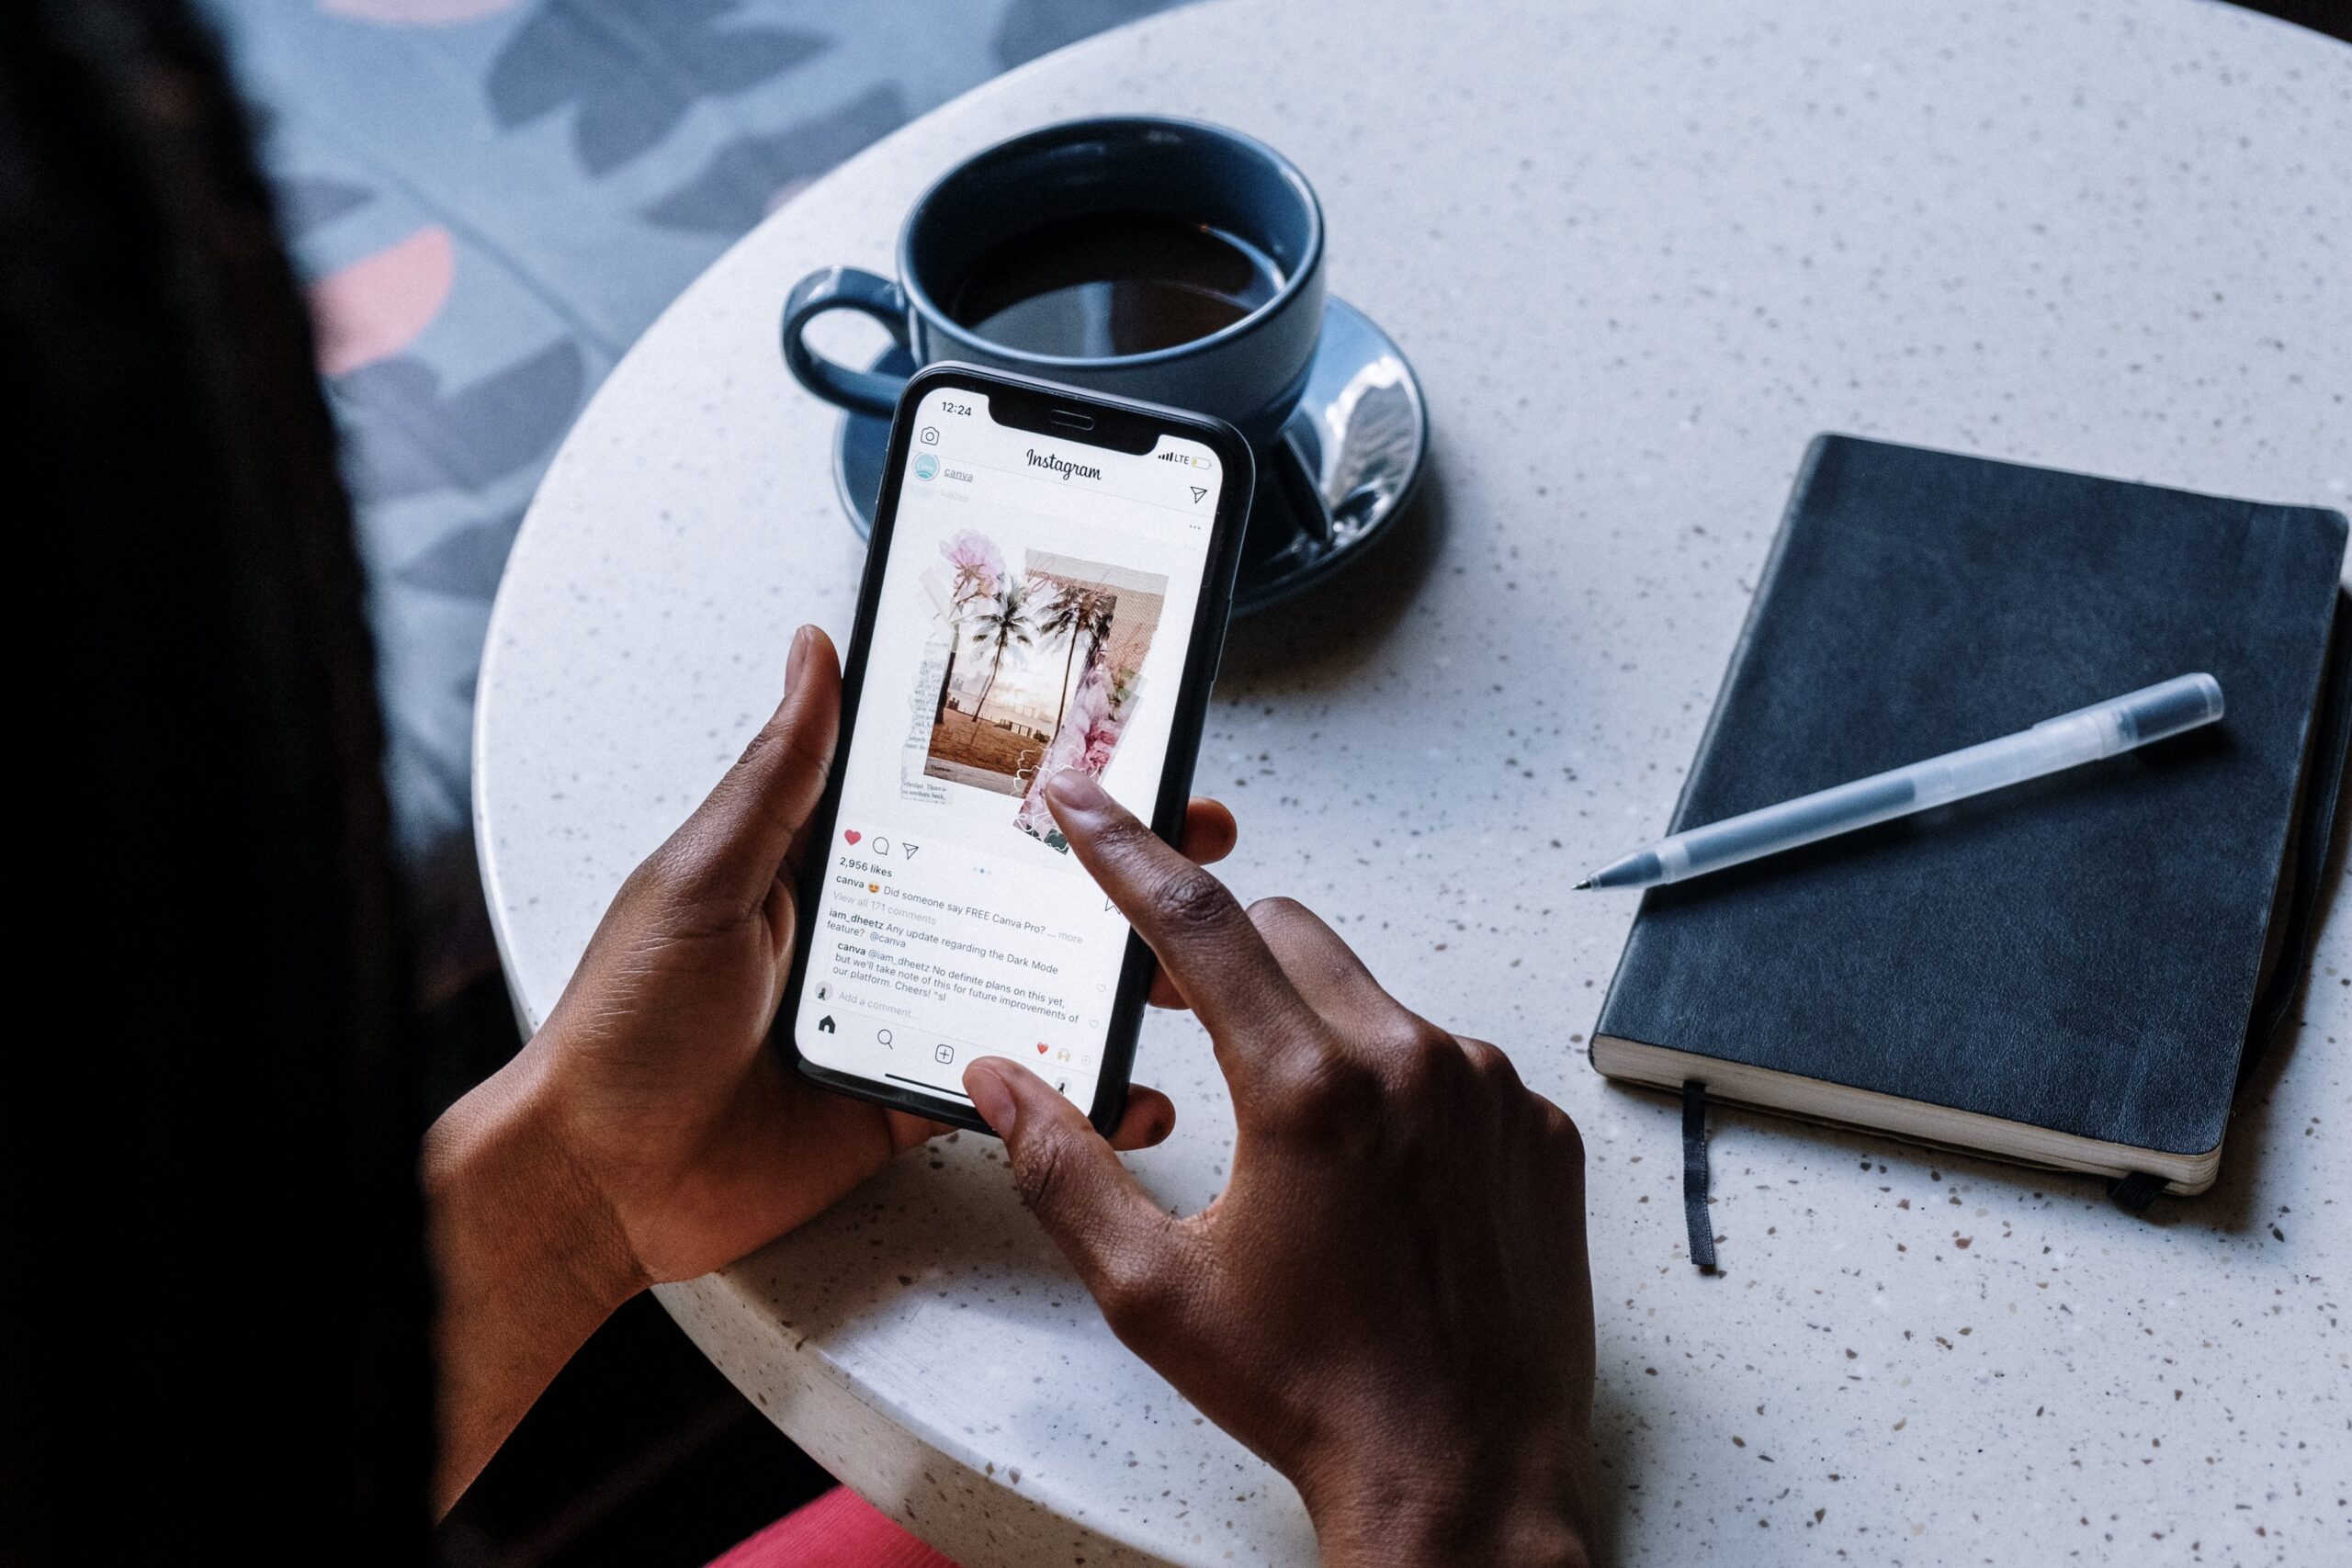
column 1117, row 283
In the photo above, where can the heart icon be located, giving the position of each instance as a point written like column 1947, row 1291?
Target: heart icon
column 852, row 834
column 1041, row 1047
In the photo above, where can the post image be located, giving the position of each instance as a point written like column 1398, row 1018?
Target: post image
column 1042, row 669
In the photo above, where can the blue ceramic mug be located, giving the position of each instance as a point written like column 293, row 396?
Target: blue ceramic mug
column 1143, row 257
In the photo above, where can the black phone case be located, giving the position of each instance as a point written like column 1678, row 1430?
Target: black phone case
column 1029, row 400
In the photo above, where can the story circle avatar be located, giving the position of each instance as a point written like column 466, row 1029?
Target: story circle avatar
column 926, row 466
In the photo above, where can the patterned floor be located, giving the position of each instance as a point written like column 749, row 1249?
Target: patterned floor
column 492, row 199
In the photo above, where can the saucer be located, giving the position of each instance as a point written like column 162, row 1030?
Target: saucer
column 1346, row 462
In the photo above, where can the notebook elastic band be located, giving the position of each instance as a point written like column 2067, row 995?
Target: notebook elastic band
column 1694, row 1177
column 2331, row 739
column 2133, row 1193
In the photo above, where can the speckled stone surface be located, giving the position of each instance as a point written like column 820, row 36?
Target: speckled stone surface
column 1639, row 254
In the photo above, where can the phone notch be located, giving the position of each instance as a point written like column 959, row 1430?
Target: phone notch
column 1113, row 428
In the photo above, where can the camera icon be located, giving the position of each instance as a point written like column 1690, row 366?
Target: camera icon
column 930, row 436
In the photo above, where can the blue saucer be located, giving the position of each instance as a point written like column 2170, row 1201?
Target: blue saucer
column 1344, row 466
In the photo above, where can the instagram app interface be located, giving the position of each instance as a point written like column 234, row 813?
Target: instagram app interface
column 1035, row 612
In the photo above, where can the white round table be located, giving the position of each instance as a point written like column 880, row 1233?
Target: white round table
column 1639, row 255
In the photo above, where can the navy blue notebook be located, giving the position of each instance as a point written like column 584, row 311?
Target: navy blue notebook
column 2066, row 973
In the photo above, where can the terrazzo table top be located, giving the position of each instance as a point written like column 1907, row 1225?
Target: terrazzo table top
column 1640, row 256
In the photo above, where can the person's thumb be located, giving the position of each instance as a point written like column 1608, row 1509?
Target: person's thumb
column 1077, row 1188
column 735, row 843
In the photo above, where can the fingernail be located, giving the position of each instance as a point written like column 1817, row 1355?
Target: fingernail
column 991, row 1098
column 796, row 658
column 1075, row 789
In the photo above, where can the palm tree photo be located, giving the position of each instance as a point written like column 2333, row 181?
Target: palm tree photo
column 1042, row 663
column 998, row 625
column 979, row 566
column 1078, row 609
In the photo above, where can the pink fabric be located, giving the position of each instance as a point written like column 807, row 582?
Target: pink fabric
column 840, row 1530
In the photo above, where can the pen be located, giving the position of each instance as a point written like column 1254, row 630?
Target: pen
column 2103, row 730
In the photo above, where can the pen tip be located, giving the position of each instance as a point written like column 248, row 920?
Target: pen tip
column 1581, row 886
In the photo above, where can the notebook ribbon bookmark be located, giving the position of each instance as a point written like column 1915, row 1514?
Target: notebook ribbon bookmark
column 1694, row 1176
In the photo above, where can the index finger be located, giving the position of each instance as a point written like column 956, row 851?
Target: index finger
column 1204, row 939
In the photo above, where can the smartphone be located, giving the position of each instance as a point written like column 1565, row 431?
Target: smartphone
column 1045, row 588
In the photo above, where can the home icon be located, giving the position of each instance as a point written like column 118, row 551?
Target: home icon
column 825, row 1025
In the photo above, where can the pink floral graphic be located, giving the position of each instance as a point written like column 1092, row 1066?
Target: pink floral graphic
column 1089, row 738
column 980, row 569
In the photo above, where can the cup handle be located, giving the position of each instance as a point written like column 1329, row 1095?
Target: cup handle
column 844, row 289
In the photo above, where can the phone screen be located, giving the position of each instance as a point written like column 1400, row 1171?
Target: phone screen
column 1035, row 612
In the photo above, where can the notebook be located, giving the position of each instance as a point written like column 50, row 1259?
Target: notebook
column 2065, row 973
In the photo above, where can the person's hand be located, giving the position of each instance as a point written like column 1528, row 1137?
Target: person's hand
column 649, row 1132
column 701, row 1139
column 1389, row 1301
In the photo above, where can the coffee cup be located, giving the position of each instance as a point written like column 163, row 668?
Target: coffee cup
column 1144, row 257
